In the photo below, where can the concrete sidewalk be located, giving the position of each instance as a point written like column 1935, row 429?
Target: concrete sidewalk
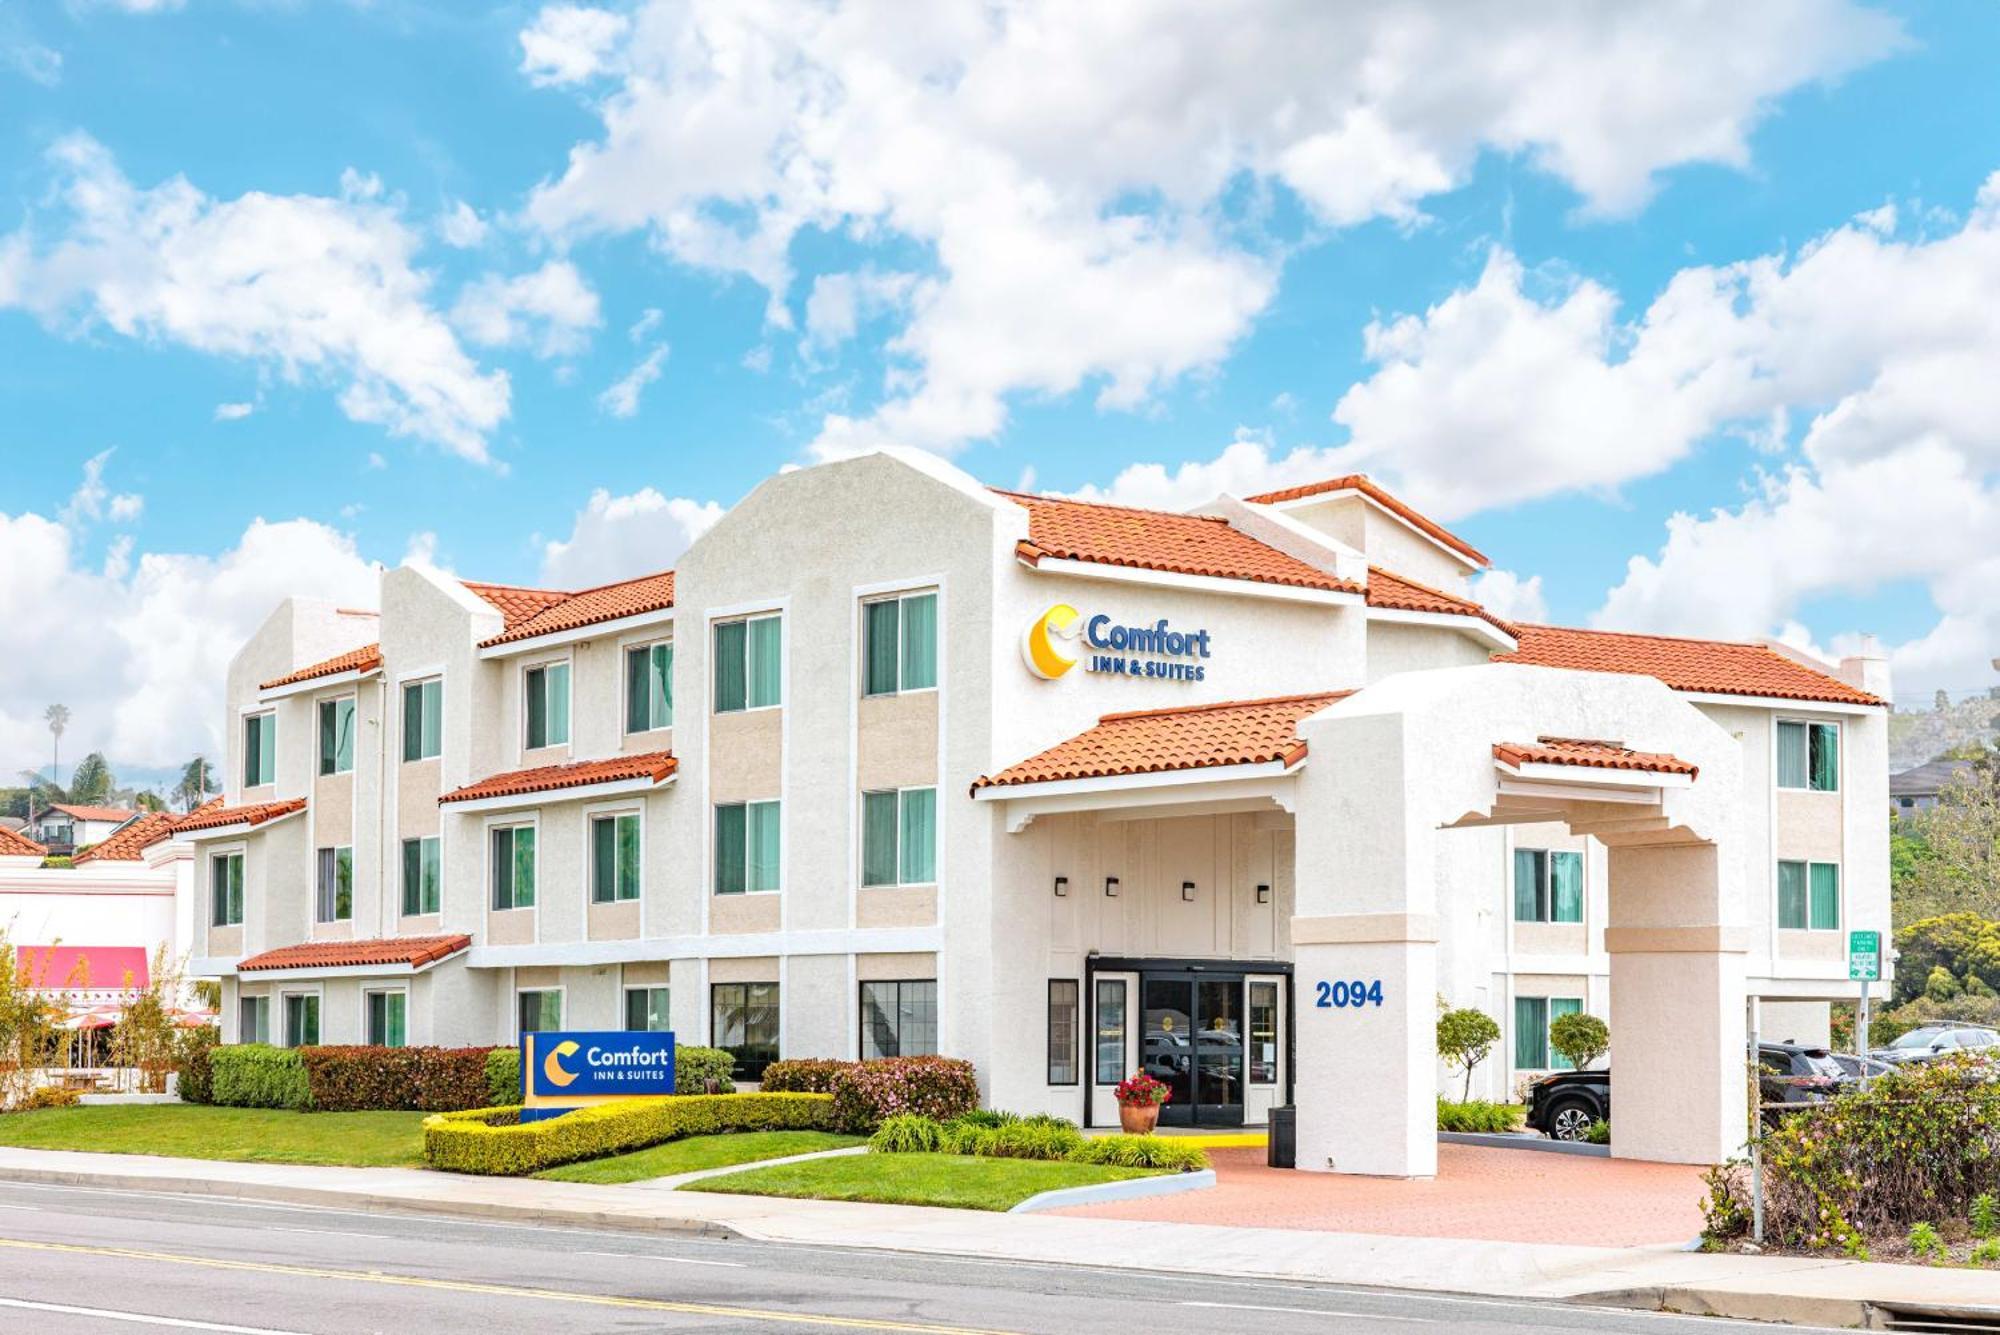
column 1824, row 1292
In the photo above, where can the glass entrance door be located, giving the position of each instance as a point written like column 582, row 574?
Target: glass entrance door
column 1193, row 1041
column 1167, row 1051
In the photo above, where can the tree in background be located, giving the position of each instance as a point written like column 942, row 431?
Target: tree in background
column 1951, row 862
column 57, row 717
column 91, row 782
column 1464, row 1037
column 147, row 800
column 1580, row 1038
column 197, row 784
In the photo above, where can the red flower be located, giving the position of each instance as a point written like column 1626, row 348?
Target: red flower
column 1141, row 1090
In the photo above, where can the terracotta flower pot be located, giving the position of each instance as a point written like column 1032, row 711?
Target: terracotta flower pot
column 1138, row 1119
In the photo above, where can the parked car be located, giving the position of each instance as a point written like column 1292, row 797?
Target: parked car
column 1860, row 1068
column 1931, row 1041
column 1562, row 1106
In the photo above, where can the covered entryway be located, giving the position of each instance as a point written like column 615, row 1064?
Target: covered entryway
column 1216, row 1032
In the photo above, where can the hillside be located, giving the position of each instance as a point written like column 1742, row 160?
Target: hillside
column 1919, row 735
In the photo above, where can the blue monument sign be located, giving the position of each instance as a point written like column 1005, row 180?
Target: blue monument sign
column 562, row 1069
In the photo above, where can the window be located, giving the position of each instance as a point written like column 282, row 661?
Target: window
column 1111, row 1031
column 423, row 719
column 225, row 889
column 1532, row 1016
column 1263, row 1033
column 537, row 1010
column 743, row 1017
column 1548, row 886
column 260, row 750
column 646, row 1009
column 614, row 858
column 1809, row 896
column 899, row 837
column 301, row 1019
column 900, row 644
column 423, row 875
column 513, row 864
column 1809, row 756
column 899, row 1019
column 336, row 885
column 749, row 663
column 336, row 736
column 649, row 687
column 253, row 1020
column 547, row 694
column 386, row 1014
column 1062, row 1031
column 746, row 847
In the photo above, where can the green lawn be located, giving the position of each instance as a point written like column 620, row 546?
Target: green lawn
column 249, row 1135
column 698, row 1152
column 916, row 1179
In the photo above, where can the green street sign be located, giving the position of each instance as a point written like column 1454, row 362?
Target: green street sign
column 1864, row 955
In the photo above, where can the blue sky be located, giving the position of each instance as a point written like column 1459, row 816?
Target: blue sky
column 332, row 266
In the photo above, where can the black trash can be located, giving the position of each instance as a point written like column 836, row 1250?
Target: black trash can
column 1283, row 1144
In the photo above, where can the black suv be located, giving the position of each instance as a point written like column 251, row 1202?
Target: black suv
column 1562, row 1106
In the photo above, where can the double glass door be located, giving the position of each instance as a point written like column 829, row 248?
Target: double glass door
column 1193, row 1041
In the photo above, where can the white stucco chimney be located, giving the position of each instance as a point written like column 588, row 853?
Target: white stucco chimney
column 1869, row 669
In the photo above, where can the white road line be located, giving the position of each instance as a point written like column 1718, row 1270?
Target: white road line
column 1316, row 1311
column 676, row 1260
column 141, row 1318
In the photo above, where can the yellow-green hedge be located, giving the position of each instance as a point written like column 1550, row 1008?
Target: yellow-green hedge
column 496, row 1141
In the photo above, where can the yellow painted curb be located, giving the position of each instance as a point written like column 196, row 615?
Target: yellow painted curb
column 1226, row 1140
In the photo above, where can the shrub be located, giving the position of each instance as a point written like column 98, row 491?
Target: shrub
column 1141, row 1152
column 257, row 1075
column 867, row 1092
column 909, row 1133
column 1925, row 1242
column 1478, row 1115
column 358, row 1079
column 972, row 1138
column 1580, row 1038
column 1046, row 1119
column 193, row 1077
column 1985, row 1218
column 48, row 1096
column 448, row 1079
column 496, row 1141
column 699, row 1070
column 805, row 1075
column 503, row 1077
column 1029, row 1140
column 1598, row 1133
column 1986, row 1252
column 990, row 1118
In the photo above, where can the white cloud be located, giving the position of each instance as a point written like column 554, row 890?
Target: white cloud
column 649, row 320
column 622, row 398
column 1245, row 467
column 840, row 301
column 31, row 60
column 1010, row 144
column 1511, row 598
column 622, row 537
column 462, row 228
column 93, row 498
column 324, row 289
column 233, row 412
column 552, row 308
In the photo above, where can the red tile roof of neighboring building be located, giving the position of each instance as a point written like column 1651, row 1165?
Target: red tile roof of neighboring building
column 214, row 815
column 16, row 845
column 1240, row 732
column 514, row 603
column 93, row 968
column 1721, row 667
column 609, row 602
column 1590, row 754
column 655, row 765
column 367, row 658
column 1119, row 535
column 129, row 841
column 1389, row 590
column 1359, row 482
column 81, row 812
column 414, row 951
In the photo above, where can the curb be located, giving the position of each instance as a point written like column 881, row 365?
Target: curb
column 1130, row 1189
column 1790, row 1308
column 1498, row 1141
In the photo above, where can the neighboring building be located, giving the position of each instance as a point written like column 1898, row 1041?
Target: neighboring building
column 895, row 762
column 1917, row 789
column 65, row 826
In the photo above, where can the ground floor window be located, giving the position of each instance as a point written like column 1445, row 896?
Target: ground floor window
column 538, row 1010
column 899, row 1019
column 1062, row 1030
column 1809, row 896
column 646, row 1009
column 387, row 1012
column 1263, row 1033
column 253, row 1022
column 301, row 1019
column 1111, row 1031
column 744, row 1021
column 1532, row 1017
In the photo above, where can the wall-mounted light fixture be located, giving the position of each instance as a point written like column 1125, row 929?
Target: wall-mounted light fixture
column 1187, row 890
column 1263, row 894
column 1111, row 887
column 1062, row 886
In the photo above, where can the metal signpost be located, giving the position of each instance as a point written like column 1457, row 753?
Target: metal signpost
column 1864, row 965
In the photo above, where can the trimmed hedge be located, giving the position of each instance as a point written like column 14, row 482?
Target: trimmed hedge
column 864, row 1093
column 257, row 1075
column 699, row 1070
column 503, row 1076
column 194, row 1077
column 371, row 1079
column 496, row 1141
column 804, row 1075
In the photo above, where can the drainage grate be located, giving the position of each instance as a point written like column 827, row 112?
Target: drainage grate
column 1936, row 1320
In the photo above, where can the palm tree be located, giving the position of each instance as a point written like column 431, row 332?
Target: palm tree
column 57, row 717
column 195, row 785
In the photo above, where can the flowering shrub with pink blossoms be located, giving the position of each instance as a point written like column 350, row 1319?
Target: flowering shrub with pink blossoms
column 866, row 1092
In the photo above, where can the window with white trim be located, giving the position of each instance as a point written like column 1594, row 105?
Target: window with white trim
column 253, row 1020
column 1548, row 885
column 899, row 837
column 647, row 1010
column 899, row 644
column 1809, row 896
column 335, row 900
column 649, row 687
column 537, row 1010
column 423, row 875
column 546, row 691
column 336, row 735
column 614, row 857
column 511, row 863
column 388, row 1013
column 301, row 1019
column 423, row 718
column 225, row 889
column 260, row 750
column 1809, row 756
column 1532, row 1018
column 749, row 663
column 748, row 847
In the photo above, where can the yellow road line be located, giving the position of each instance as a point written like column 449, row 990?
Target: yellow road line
column 498, row 1290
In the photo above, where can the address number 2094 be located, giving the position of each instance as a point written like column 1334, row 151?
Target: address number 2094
column 1350, row 993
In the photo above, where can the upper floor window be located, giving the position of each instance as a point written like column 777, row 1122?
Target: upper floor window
column 649, row 687
column 1809, row 756
column 423, row 875
column 225, row 889
column 900, row 644
column 335, row 902
column 1548, row 885
column 513, row 865
column 746, row 847
column 749, row 664
column 1809, row 896
column 899, row 837
column 336, row 735
column 260, row 750
column 614, row 858
column 548, row 705
column 423, row 719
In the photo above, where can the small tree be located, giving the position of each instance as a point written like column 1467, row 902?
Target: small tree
column 1464, row 1037
column 1580, row 1038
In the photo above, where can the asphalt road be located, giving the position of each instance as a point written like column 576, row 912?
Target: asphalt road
column 75, row 1260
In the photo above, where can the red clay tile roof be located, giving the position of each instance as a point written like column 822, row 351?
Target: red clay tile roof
column 365, row 659
column 93, row 813
column 1386, row 589
column 14, row 845
column 1590, row 754
column 1240, row 732
column 213, row 815
column 129, row 841
column 411, row 950
column 1360, row 482
column 609, row 602
column 516, row 604
column 1721, row 667
column 655, row 765
column 1119, row 535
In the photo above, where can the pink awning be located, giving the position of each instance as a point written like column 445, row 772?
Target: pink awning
column 83, row 968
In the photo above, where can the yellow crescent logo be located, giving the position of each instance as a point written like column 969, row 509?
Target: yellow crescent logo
column 1046, row 658
column 553, row 1069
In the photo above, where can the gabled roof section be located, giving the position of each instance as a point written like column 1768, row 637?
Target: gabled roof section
column 83, row 812
column 129, row 841
column 572, row 611
column 1387, row 589
column 16, row 845
column 1588, row 754
column 1241, row 732
column 1360, row 484
column 516, row 604
column 1719, row 667
column 408, row 951
column 214, row 816
column 368, row 658
column 659, row 766
column 1119, row 535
